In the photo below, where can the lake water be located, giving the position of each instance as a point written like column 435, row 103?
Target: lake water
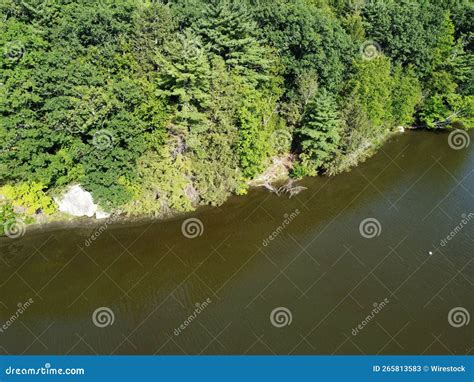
column 324, row 283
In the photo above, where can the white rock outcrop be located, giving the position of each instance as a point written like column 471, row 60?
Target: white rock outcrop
column 400, row 129
column 77, row 202
column 100, row 215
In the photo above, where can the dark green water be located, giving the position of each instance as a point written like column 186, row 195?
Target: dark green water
column 319, row 267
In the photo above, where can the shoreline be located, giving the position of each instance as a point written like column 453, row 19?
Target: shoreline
column 60, row 220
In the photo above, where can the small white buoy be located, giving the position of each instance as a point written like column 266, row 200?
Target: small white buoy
column 430, row 253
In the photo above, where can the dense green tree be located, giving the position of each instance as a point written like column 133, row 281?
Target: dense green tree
column 164, row 184
column 64, row 94
column 218, row 172
column 253, row 144
column 154, row 25
column 158, row 106
column 319, row 134
column 307, row 38
column 407, row 31
column 462, row 15
column 372, row 84
column 185, row 81
column 406, row 96
column 446, row 102
column 228, row 30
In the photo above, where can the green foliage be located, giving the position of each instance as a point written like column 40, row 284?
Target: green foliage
column 307, row 37
column 372, row 85
column 29, row 196
column 217, row 177
column 444, row 110
column 164, row 182
column 409, row 32
column 162, row 106
column 184, row 80
column 154, row 24
column 228, row 30
column 448, row 100
column 406, row 96
column 7, row 216
column 74, row 83
column 253, row 144
column 375, row 100
column 319, row 134
column 217, row 171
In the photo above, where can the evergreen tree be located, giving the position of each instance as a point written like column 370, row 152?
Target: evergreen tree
column 184, row 80
column 446, row 103
column 319, row 134
column 176, row 102
column 228, row 30
column 154, row 25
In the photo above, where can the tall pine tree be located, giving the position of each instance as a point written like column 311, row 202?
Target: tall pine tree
column 185, row 81
column 320, row 132
column 228, row 30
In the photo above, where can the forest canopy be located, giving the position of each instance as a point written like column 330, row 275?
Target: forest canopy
column 160, row 106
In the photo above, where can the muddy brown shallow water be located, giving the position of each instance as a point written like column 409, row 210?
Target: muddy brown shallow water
column 323, row 283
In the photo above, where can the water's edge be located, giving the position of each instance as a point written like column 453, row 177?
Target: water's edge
column 60, row 220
